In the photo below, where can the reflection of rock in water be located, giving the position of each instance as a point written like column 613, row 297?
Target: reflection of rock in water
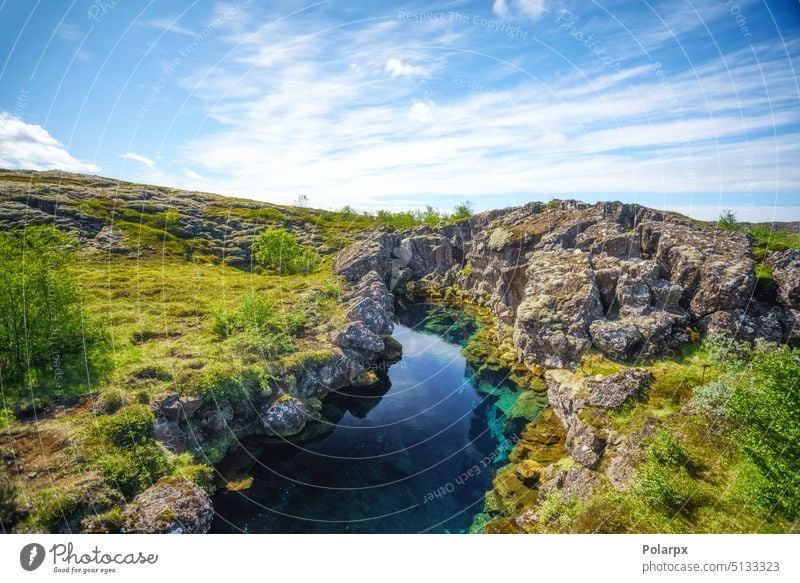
column 449, row 323
column 359, row 401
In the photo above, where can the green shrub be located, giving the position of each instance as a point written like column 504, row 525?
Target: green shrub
column 41, row 323
column 224, row 385
column 667, row 450
column 558, row 511
column 123, row 449
column 727, row 220
column 200, row 474
column 660, row 488
column 6, row 418
column 51, row 508
column 462, row 211
column 130, row 426
column 109, row 401
column 765, row 404
column 279, row 251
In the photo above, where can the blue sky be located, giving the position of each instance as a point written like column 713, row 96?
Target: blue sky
column 685, row 105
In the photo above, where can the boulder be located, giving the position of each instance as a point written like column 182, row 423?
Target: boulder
column 613, row 391
column 172, row 505
column 286, row 416
column 786, row 274
column 357, row 337
column 170, row 434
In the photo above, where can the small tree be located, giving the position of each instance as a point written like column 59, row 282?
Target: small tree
column 301, row 201
column 40, row 316
column 463, row 211
column 278, row 250
column 727, row 220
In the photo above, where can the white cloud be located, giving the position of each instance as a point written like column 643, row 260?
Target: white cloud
column 500, row 8
column 28, row 146
column 316, row 114
column 421, row 110
column 397, row 68
column 532, row 9
column 139, row 158
column 170, row 25
column 189, row 173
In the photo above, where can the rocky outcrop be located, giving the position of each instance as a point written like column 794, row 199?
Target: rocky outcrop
column 567, row 277
column 171, row 506
column 571, row 398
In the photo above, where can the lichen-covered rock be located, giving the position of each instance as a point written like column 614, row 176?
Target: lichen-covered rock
column 786, row 274
column 373, row 315
column 371, row 253
column 171, row 506
column 613, row 391
column 615, row 338
column 560, row 302
column 286, row 416
column 170, row 434
column 177, row 408
column 357, row 337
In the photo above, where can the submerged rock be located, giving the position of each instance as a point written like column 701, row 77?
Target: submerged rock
column 171, row 506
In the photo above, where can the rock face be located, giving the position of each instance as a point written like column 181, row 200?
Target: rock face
column 566, row 277
column 171, row 506
column 569, row 397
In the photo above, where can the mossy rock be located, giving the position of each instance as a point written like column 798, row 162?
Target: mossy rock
column 528, row 406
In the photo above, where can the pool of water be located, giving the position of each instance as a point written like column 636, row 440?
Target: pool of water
column 415, row 454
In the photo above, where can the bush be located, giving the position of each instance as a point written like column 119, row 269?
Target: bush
column 667, row 450
column 123, row 449
column 279, row 251
column 200, row 474
column 660, row 488
column 766, row 405
column 463, row 211
column 6, row 418
column 40, row 308
column 130, row 426
column 109, row 402
column 727, row 220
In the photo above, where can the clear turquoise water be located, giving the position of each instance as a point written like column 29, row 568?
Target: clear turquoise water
column 415, row 454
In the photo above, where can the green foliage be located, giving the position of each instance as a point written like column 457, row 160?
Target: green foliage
column 6, row 418
column 660, row 487
column 40, row 314
column 109, row 401
column 667, row 450
column 765, row 404
column 123, row 449
column 257, row 327
column 767, row 239
column 200, row 474
column 51, row 508
column 223, row 385
column 397, row 220
column 8, row 499
column 727, row 221
column 759, row 396
column 132, row 425
column 430, row 216
column 463, row 211
column 558, row 510
column 466, row 271
column 279, row 251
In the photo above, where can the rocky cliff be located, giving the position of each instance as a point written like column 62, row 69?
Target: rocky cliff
column 563, row 278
